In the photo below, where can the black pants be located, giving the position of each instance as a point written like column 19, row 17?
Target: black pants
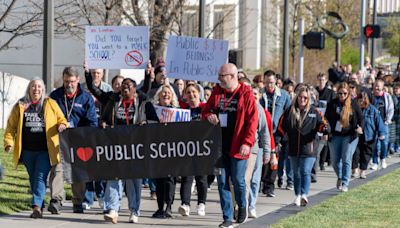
column 268, row 178
column 363, row 153
column 165, row 191
column 324, row 156
column 210, row 179
column 186, row 187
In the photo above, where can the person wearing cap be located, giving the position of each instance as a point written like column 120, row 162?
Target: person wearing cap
column 160, row 72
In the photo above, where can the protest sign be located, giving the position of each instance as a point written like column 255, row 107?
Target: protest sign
column 193, row 58
column 151, row 151
column 117, row 47
column 168, row 115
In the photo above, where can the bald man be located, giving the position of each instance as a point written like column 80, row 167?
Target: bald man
column 233, row 107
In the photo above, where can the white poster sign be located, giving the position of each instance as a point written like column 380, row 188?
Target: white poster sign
column 191, row 58
column 117, row 47
column 168, row 115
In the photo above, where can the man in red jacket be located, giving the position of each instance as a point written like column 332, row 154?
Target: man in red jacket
column 233, row 107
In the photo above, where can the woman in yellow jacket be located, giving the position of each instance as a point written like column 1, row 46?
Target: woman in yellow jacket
column 32, row 130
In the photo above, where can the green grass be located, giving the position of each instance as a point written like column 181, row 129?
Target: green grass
column 375, row 204
column 14, row 195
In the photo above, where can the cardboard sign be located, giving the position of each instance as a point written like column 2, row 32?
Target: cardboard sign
column 198, row 59
column 117, row 47
column 168, row 115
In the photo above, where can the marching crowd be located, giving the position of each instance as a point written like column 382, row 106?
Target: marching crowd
column 271, row 129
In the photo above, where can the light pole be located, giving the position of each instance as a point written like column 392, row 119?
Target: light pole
column 47, row 69
column 285, row 59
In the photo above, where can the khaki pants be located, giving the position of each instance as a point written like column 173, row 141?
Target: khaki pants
column 56, row 183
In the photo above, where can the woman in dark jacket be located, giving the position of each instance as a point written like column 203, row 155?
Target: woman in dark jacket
column 346, row 120
column 301, row 125
column 124, row 110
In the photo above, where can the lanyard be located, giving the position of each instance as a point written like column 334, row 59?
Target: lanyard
column 66, row 106
column 127, row 110
column 226, row 103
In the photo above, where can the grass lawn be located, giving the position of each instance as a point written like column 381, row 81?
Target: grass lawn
column 14, row 187
column 375, row 204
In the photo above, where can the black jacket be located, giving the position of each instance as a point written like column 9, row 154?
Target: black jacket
column 356, row 118
column 301, row 140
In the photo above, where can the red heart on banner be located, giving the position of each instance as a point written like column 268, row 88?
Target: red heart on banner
column 84, row 153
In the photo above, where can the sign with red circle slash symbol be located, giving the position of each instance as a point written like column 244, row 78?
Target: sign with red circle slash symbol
column 134, row 58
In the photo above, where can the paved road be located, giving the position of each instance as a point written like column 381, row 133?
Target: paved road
column 268, row 209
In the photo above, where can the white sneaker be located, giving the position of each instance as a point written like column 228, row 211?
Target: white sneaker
column 133, row 218
column 201, row 209
column 303, row 201
column 252, row 213
column 85, row 206
column 383, row 164
column 111, row 216
column 374, row 166
column 345, row 189
column 100, row 201
column 297, row 201
column 184, row 210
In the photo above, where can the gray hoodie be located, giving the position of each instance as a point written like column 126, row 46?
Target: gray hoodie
column 262, row 134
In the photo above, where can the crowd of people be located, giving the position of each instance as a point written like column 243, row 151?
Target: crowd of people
column 272, row 130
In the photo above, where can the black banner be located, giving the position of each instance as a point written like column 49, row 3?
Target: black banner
column 149, row 151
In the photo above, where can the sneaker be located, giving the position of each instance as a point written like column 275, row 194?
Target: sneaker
column 85, row 206
column 159, row 214
column 168, row 213
column 145, row 186
column 289, row 187
column 363, row 174
column 77, row 209
column 100, row 201
column 184, row 210
column 374, row 166
column 339, row 184
column 54, row 207
column 322, row 167
column 111, row 216
column 270, row 194
column 313, row 178
column 242, row 215
column 252, row 213
column 133, row 218
column 303, row 201
column 383, row 164
column 297, row 201
column 280, row 183
column 355, row 173
column 226, row 224
column 36, row 213
column 345, row 189
column 201, row 209
column 153, row 196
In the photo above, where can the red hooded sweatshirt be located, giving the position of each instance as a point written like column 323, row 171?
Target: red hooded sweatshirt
column 246, row 117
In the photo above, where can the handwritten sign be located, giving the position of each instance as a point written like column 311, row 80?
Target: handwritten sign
column 192, row 58
column 168, row 115
column 117, row 47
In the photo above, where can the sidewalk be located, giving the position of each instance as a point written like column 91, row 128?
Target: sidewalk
column 269, row 210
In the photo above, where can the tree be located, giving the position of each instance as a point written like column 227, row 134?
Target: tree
column 392, row 39
column 19, row 19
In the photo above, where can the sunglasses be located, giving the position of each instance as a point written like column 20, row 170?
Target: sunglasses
column 344, row 94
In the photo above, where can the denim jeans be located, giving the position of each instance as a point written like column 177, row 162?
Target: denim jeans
column 152, row 185
column 113, row 194
column 235, row 170
column 342, row 150
column 37, row 164
column 92, row 188
column 284, row 163
column 301, row 167
column 382, row 146
column 255, row 180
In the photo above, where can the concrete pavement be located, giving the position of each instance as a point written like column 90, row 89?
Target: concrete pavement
column 269, row 210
